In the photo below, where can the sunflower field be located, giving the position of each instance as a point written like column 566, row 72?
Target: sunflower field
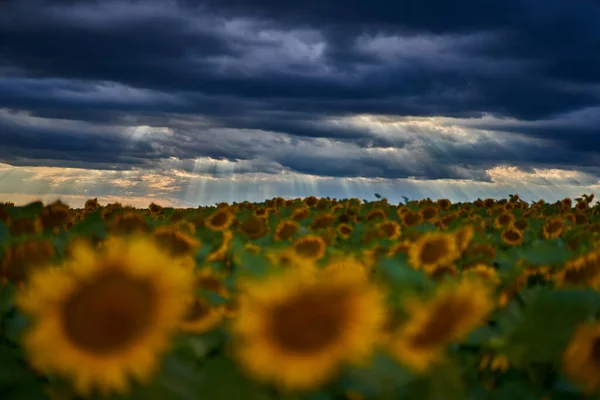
column 318, row 299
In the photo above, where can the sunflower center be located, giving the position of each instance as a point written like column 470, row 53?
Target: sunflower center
column 288, row 230
column 432, row 251
column 310, row 321
column 554, row 227
column 110, row 313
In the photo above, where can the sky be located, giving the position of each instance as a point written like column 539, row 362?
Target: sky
column 189, row 103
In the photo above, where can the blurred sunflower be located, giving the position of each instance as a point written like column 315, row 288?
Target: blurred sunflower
column 389, row 229
column 344, row 230
column 300, row 213
column 376, row 214
column 296, row 330
column 484, row 272
column 512, row 236
column 220, row 253
column 553, row 228
column 175, row 242
column 494, row 362
column 254, row 227
column 463, row 237
column 105, row 316
column 21, row 259
column 583, row 270
column 310, row 247
column 432, row 249
column 201, row 316
column 504, row 220
column 455, row 309
column 580, row 360
column 220, row 220
column 286, row 229
column 439, row 272
column 346, row 264
column 401, row 247
column 430, row 213
column 444, row 204
column 411, row 218
column 128, row 222
column 322, row 221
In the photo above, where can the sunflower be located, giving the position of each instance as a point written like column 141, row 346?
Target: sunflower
column 310, row 247
column 504, row 220
column 512, row 236
column 20, row 260
column 430, row 213
column 300, row 213
column 554, row 228
column 254, row 227
column 201, row 316
column 296, row 330
column 286, row 229
column 389, row 229
column 583, row 270
column 432, row 249
column 455, row 309
column 105, row 316
column 175, row 242
column 220, row 253
column 346, row 264
column 581, row 358
column 25, row 226
column 439, row 272
column 376, row 214
column 322, row 221
column 484, row 272
column 463, row 236
column 401, row 247
column 220, row 220
column 411, row 218
column 344, row 230
column 129, row 222
column 444, row 204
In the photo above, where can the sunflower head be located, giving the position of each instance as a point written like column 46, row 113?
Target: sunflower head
column 220, row 220
column 344, row 230
column 512, row 236
column 286, row 229
column 432, row 249
column 411, row 218
column 296, row 330
column 581, row 358
column 310, row 247
column 106, row 315
column 389, row 229
column 175, row 242
column 553, row 228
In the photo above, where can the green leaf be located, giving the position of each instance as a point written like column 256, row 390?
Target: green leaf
column 222, row 380
column 7, row 293
column 400, row 275
column 381, row 378
column 443, row 382
column 545, row 252
column 542, row 330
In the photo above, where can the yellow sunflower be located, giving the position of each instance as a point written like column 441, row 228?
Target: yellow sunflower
column 344, row 230
column 202, row 316
column 389, row 229
column 105, row 316
column 463, row 236
column 504, row 220
column 296, row 330
column 286, row 230
column 310, row 247
column 584, row 270
column 432, row 249
column 484, row 272
column 580, row 360
column 411, row 218
column 346, row 264
column 455, row 309
column 554, row 228
column 220, row 220
column 512, row 236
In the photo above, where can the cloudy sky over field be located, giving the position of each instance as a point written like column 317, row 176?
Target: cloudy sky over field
column 194, row 102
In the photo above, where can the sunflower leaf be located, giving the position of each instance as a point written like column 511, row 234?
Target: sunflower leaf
column 538, row 338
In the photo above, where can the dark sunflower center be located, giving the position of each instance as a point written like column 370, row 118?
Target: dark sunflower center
column 504, row 219
column 174, row 242
column 582, row 275
column 345, row 230
column 432, row 251
column 310, row 322
column 388, row 229
column 110, row 313
column 554, row 227
column 429, row 213
column 411, row 218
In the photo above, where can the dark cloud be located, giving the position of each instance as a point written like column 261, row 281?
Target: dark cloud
column 245, row 80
